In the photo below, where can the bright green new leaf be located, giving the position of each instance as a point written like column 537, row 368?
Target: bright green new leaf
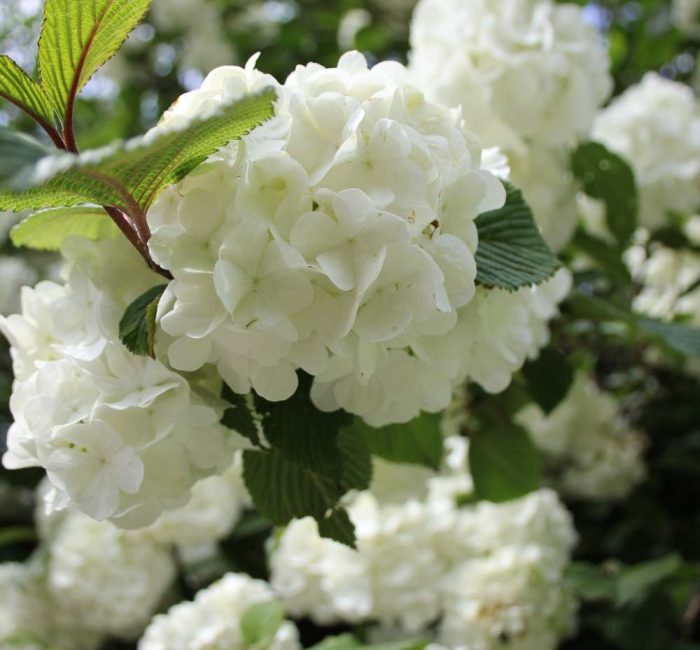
column 511, row 252
column 131, row 176
column 349, row 642
column 607, row 177
column 503, row 461
column 48, row 229
column 635, row 581
column 138, row 324
column 261, row 621
column 19, row 154
column 418, row 442
column 77, row 38
column 17, row 87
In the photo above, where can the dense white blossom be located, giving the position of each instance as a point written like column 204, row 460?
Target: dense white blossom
column 522, row 70
column 204, row 42
column 339, row 238
column 543, row 175
column 213, row 620
column 105, row 579
column 686, row 16
column 592, row 451
column 27, row 612
column 479, row 571
column 655, row 126
column 120, row 435
column 668, row 278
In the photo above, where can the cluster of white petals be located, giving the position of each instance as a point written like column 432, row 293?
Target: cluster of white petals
column 338, row 238
column 593, row 453
column 106, row 580
column 532, row 74
column 479, row 573
column 213, row 620
column 523, row 70
column 669, row 278
column 121, row 436
column 655, row 126
column 686, row 16
column 204, row 41
column 29, row 618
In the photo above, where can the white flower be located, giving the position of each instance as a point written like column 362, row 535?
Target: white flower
column 655, row 126
column 121, row 436
column 686, row 16
column 210, row 514
column 213, row 620
column 529, row 70
column 421, row 560
column 592, row 451
column 549, row 188
column 28, row 612
column 338, row 238
column 16, row 273
column 104, row 579
column 669, row 279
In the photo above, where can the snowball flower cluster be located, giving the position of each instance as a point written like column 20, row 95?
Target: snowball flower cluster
column 213, row 620
column 591, row 450
column 669, row 278
column 655, row 126
column 524, row 70
column 204, row 42
column 104, row 579
column 121, row 436
column 474, row 574
column 686, row 16
column 338, row 238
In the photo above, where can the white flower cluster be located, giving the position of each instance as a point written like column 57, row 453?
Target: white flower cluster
column 591, row 450
column 29, row 614
column 487, row 575
column 213, row 620
column 686, row 16
column 531, row 74
column 121, row 436
column 669, row 278
column 528, row 70
column 338, row 238
column 655, row 126
column 204, row 42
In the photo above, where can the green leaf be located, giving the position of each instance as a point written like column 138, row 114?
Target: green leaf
column 512, row 253
column 606, row 256
column 137, row 326
column 338, row 527
column 503, row 461
column 17, row 535
column 356, row 473
column 261, row 621
column 418, row 442
column 48, row 229
column 636, row 581
column 283, row 490
column 19, row 154
column 548, row 378
column 17, row 87
column 77, row 38
column 130, row 176
column 348, row 641
column 682, row 339
column 608, row 177
column 239, row 417
column 589, row 582
column 301, row 432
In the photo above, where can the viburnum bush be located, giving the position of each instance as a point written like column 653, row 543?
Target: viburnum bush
column 371, row 355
